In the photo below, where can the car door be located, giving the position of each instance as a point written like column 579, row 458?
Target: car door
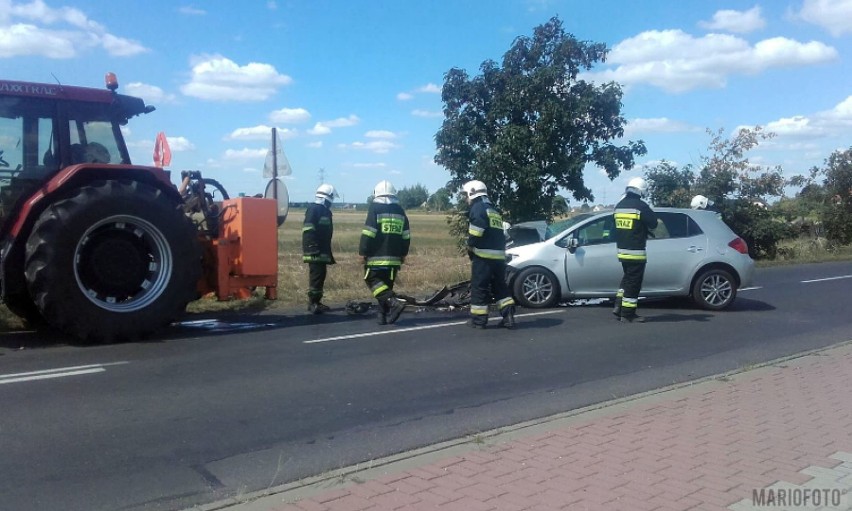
column 678, row 245
column 593, row 269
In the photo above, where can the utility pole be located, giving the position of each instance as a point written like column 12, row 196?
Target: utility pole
column 322, row 175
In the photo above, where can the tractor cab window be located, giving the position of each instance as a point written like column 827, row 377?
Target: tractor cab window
column 27, row 139
column 93, row 135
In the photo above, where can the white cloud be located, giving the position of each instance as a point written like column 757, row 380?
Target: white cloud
column 342, row 122
column 315, row 145
column 426, row 113
column 324, row 127
column 677, row 62
column 832, row 15
column 24, row 32
column 289, row 115
column 191, row 11
column 319, row 129
column 430, row 88
column 260, row 132
column 657, row 125
column 828, row 123
column 244, row 154
column 272, row 5
column 376, row 146
column 380, row 134
column 217, row 78
column 150, row 93
column 180, row 144
column 740, row 22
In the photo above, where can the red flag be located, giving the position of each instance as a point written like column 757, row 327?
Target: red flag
column 162, row 152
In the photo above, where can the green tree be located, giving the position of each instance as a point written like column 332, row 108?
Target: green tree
column 668, row 186
column 440, row 200
column 837, row 208
column 528, row 127
column 412, row 197
column 741, row 189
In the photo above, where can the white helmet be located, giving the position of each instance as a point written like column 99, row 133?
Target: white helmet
column 637, row 185
column 475, row 189
column 326, row 191
column 384, row 189
column 700, row 202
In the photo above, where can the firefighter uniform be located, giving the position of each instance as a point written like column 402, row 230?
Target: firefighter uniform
column 486, row 246
column 384, row 244
column 634, row 219
column 316, row 246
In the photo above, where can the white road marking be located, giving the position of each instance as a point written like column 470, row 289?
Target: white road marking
column 413, row 329
column 59, row 372
column 752, row 288
column 827, row 278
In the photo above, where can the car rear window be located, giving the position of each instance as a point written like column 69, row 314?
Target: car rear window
column 675, row 225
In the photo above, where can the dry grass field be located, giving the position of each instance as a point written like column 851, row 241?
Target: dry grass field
column 432, row 263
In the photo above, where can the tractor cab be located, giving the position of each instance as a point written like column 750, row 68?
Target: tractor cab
column 45, row 128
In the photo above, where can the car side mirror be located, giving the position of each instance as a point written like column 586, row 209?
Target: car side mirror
column 573, row 243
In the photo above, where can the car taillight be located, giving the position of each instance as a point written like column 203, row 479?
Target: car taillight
column 739, row 245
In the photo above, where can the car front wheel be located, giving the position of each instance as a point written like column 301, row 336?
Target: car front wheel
column 536, row 288
column 714, row 290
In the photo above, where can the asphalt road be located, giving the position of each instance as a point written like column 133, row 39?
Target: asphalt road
column 215, row 409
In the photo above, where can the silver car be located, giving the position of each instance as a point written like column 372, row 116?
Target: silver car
column 692, row 253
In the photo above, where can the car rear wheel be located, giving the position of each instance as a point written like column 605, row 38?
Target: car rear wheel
column 536, row 288
column 714, row 289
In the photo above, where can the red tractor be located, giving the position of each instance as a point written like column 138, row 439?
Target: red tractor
column 95, row 246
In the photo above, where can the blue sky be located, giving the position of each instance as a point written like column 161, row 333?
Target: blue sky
column 354, row 86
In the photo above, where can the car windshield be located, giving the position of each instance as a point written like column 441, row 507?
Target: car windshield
column 559, row 226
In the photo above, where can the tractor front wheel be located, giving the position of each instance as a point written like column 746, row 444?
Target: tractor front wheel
column 115, row 261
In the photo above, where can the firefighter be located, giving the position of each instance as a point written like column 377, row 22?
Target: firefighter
column 384, row 245
column 316, row 245
column 634, row 221
column 486, row 246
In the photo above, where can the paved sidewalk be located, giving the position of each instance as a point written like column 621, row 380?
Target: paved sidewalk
column 775, row 437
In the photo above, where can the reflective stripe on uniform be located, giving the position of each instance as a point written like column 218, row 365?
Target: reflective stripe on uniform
column 625, row 254
column 629, row 303
column 479, row 310
column 369, row 231
column 505, row 302
column 475, row 231
column 487, row 253
column 379, row 289
column 384, row 261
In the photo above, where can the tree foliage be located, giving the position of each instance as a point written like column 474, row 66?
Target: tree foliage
column 739, row 188
column 528, row 127
column 413, row 196
column 668, row 186
column 837, row 209
column 441, row 200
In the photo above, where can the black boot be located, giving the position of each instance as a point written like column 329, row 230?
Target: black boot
column 395, row 308
column 478, row 322
column 508, row 320
column 617, row 309
column 317, row 307
column 383, row 312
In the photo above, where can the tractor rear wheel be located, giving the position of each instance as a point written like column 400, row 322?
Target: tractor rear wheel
column 118, row 260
